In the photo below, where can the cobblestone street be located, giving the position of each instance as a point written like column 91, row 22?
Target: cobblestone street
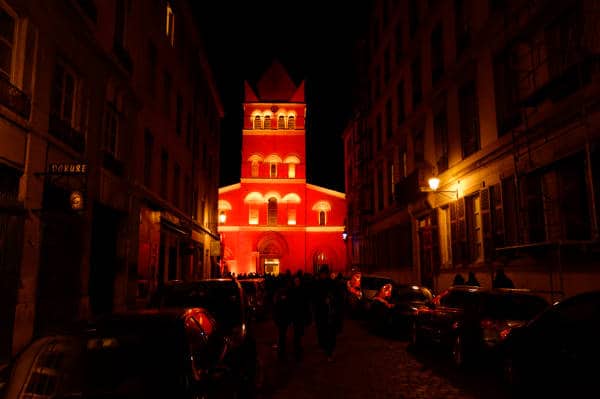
column 366, row 366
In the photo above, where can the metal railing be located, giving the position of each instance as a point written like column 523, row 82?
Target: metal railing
column 13, row 98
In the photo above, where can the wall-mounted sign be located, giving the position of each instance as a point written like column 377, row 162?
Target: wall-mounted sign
column 67, row 168
column 76, row 200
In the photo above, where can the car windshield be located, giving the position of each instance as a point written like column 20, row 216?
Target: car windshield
column 108, row 364
column 373, row 283
column 513, row 306
column 221, row 298
column 410, row 294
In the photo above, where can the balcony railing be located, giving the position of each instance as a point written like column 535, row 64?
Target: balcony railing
column 63, row 131
column 13, row 98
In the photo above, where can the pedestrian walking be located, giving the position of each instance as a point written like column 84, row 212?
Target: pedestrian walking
column 282, row 313
column 472, row 280
column 501, row 280
column 300, row 314
column 328, row 305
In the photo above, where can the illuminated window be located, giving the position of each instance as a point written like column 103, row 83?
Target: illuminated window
column 253, row 216
column 445, row 237
column 254, row 170
column 273, row 170
column 291, row 216
column 170, row 26
column 272, row 212
column 291, row 170
column 267, row 122
column 257, row 122
column 281, row 122
column 322, row 220
column 7, row 42
column 291, row 122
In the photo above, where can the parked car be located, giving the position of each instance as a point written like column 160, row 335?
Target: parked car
column 406, row 300
column 471, row 321
column 255, row 294
column 370, row 284
column 224, row 299
column 557, row 352
column 141, row 354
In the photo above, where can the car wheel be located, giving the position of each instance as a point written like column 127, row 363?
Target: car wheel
column 510, row 372
column 458, row 351
column 415, row 339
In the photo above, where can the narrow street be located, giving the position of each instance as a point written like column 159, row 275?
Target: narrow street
column 366, row 366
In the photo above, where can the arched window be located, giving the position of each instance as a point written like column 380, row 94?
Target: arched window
column 273, row 170
column 281, row 122
column 254, row 169
column 257, row 122
column 291, row 122
column 267, row 122
column 322, row 218
column 291, row 170
column 272, row 211
column 292, row 216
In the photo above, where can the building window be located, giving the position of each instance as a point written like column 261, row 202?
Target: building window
column 253, row 215
column 273, row 170
column 400, row 106
column 152, row 66
column 272, row 212
column 462, row 26
column 389, row 119
column 392, row 180
column 469, row 119
column 399, row 44
column 378, row 133
column 380, row 188
column 437, row 54
column 148, row 148
column 419, row 144
column 186, row 194
column 291, row 170
column 64, row 91
column 386, row 66
column 292, row 216
column 440, row 133
column 254, row 168
column 281, row 122
column 164, row 169
column 445, row 238
column 7, row 39
column 168, row 84
column 506, row 89
column 291, row 122
column 176, row 188
column 322, row 218
column 417, row 90
column 111, row 128
column 188, row 131
column 178, row 114
column 170, row 25
column 267, row 122
column 257, row 122
column 413, row 17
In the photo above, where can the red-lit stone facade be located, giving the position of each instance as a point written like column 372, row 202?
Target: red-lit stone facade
column 272, row 220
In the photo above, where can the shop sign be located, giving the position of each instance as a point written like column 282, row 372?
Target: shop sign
column 67, row 168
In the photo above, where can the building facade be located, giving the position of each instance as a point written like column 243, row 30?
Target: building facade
column 498, row 101
column 273, row 220
column 83, row 84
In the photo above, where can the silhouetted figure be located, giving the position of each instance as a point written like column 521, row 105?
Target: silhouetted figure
column 300, row 313
column 328, row 302
column 458, row 279
column 502, row 280
column 472, row 280
column 282, row 313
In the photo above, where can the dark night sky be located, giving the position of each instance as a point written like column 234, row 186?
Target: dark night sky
column 314, row 42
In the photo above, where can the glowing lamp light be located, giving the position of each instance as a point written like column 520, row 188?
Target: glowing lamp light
column 434, row 183
column 345, row 235
column 76, row 200
column 222, row 217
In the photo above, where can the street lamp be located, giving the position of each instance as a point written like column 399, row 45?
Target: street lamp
column 222, row 217
column 434, row 184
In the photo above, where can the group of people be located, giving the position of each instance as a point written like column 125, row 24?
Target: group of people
column 501, row 280
column 300, row 299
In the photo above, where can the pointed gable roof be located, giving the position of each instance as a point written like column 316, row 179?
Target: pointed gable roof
column 275, row 84
column 249, row 94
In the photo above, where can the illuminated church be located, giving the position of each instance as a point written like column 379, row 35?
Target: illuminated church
column 273, row 220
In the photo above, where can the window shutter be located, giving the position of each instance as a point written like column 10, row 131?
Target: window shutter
column 454, row 236
column 497, row 216
column 435, row 245
column 461, row 221
column 486, row 224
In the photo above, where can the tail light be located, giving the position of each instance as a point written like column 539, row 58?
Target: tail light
column 492, row 331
